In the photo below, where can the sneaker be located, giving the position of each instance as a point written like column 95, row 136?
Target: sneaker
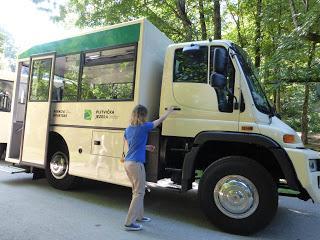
column 144, row 219
column 133, row 227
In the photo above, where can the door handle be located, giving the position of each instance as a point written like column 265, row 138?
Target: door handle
column 174, row 108
column 96, row 142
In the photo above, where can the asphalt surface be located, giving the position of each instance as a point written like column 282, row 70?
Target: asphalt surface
column 31, row 209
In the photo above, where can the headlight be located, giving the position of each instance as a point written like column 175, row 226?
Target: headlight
column 314, row 165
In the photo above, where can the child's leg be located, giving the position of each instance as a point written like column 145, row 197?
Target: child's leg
column 135, row 173
column 142, row 180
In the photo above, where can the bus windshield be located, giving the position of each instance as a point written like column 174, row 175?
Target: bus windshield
column 258, row 95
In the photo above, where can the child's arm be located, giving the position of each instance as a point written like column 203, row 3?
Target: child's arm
column 163, row 117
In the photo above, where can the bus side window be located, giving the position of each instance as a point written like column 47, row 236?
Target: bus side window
column 109, row 74
column 66, row 75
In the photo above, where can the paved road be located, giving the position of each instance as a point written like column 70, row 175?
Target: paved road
column 33, row 210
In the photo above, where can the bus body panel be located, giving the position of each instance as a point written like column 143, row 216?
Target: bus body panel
column 94, row 161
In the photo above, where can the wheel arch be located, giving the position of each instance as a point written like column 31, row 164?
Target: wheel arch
column 275, row 158
column 55, row 139
column 57, row 143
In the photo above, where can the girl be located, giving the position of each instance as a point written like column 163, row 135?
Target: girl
column 136, row 137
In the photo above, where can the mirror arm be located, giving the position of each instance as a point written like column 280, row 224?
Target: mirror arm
column 236, row 104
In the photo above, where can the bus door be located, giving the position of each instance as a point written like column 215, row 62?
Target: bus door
column 35, row 132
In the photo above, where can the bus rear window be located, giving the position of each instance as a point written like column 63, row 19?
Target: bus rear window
column 109, row 74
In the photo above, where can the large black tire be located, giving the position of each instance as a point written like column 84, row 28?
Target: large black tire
column 2, row 149
column 62, row 181
column 223, row 176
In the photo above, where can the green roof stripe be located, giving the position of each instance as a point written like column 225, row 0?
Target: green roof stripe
column 107, row 38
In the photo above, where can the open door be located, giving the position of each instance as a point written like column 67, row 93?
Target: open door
column 35, row 131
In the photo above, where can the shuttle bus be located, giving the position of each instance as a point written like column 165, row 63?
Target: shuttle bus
column 6, row 90
column 224, row 133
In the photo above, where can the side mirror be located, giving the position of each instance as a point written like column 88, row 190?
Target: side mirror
column 220, row 60
column 218, row 81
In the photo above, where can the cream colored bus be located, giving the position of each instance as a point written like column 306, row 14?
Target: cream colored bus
column 224, row 134
column 6, row 90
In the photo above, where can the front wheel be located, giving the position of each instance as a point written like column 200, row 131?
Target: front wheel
column 57, row 169
column 238, row 195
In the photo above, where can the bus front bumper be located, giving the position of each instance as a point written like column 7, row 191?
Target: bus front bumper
column 306, row 163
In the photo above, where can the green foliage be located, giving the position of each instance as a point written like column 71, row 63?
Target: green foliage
column 106, row 91
column 291, row 106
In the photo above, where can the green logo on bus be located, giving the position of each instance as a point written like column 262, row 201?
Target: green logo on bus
column 87, row 114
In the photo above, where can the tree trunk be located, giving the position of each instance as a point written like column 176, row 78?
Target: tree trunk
column 276, row 99
column 217, row 19
column 182, row 13
column 257, row 47
column 202, row 21
column 294, row 14
column 304, row 117
column 278, row 104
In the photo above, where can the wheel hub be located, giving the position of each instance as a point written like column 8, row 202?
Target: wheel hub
column 236, row 196
column 59, row 165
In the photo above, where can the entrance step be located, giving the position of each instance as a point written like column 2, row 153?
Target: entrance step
column 11, row 169
column 167, row 183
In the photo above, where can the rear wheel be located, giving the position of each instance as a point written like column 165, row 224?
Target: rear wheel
column 238, row 195
column 57, row 169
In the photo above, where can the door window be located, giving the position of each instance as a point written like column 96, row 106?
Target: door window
column 191, row 68
column 40, row 79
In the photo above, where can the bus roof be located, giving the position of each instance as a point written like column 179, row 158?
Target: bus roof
column 118, row 34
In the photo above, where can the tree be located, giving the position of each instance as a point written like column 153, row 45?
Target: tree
column 258, row 36
column 8, row 51
column 310, row 31
column 217, row 19
column 202, row 21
